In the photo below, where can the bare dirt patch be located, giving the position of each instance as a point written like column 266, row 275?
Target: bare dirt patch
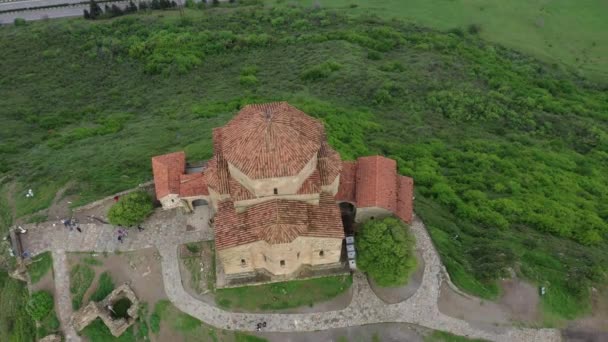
column 392, row 295
column 594, row 327
column 521, row 300
column 519, row 303
column 46, row 283
column 141, row 269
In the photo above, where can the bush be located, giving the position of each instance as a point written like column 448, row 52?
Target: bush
column 39, row 305
column 131, row 209
column 474, row 29
column 320, row 71
column 248, row 80
column 19, row 22
column 385, row 251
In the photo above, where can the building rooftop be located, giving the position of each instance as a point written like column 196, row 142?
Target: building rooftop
column 277, row 221
column 271, row 140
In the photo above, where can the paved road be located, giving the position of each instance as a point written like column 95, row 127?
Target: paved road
column 166, row 230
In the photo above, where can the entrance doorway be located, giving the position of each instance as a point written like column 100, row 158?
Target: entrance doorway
column 348, row 212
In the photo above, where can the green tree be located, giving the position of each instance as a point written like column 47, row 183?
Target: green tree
column 39, row 305
column 131, row 209
column 385, row 252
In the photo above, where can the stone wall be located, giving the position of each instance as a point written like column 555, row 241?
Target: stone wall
column 283, row 185
column 280, row 259
column 94, row 310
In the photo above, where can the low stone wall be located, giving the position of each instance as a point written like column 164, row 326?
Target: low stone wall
column 93, row 310
column 148, row 187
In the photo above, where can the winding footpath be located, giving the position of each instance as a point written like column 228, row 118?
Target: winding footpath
column 365, row 308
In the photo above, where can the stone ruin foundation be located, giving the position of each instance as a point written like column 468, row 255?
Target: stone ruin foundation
column 110, row 310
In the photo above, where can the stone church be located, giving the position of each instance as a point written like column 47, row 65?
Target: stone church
column 278, row 194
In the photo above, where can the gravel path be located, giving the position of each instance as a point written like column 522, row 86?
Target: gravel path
column 166, row 230
column 62, row 294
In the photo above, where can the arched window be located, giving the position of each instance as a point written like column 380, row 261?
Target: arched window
column 321, row 253
column 243, row 262
column 276, row 191
column 282, row 263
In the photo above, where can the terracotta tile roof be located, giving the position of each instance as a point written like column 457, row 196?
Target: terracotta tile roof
column 238, row 192
column 312, row 184
column 405, row 199
column 217, row 168
column 329, row 163
column 271, row 140
column 193, row 184
column 376, row 182
column 167, row 169
column 348, row 178
column 277, row 221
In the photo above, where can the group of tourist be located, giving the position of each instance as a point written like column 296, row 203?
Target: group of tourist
column 71, row 224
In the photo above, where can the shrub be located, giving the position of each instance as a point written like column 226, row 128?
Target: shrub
column 474, row 29
column 155, row 323
column 374, row 55
column 320, row 71
column 131, row 209
column 19, row 22
column 385, row 251
column 248, row 80
column 39, row 305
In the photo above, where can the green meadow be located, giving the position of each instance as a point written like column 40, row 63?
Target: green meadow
column 571, row 34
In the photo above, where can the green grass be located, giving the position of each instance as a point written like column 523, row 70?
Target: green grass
column 277, row 296
column 194, row 247
column 49, row 325
column 241, row 337
column 105, row 286
column 15, row 323
column 442, row 336
column 81, row 277
column 191, row 328
column 509, row 154
column 97, row 331
column 92, row 261
column 562, row 31
column 40, row 266
column 193, row 265
column 37, row 218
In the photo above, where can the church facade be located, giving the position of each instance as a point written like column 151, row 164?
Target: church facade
column 275, row 189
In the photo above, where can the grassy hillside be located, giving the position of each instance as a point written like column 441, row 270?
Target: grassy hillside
column 570, row 33
column 510, row 155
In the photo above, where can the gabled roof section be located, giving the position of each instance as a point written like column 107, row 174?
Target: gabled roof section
column 193, row 184
column 328, row 163
column 271, row 140
column 217, row 169
column 405, row 199
column 348, row 181
column 167, row 169
column 277, row 221
column 377, row 183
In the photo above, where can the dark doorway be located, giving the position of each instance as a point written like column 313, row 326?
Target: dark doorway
column 348, row 212
column 199, row 202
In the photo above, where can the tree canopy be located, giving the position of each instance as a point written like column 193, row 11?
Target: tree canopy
column 131, row 209
column 385, row 252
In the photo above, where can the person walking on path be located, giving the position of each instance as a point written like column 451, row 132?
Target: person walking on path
column 78, row 229
column 140, row 228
